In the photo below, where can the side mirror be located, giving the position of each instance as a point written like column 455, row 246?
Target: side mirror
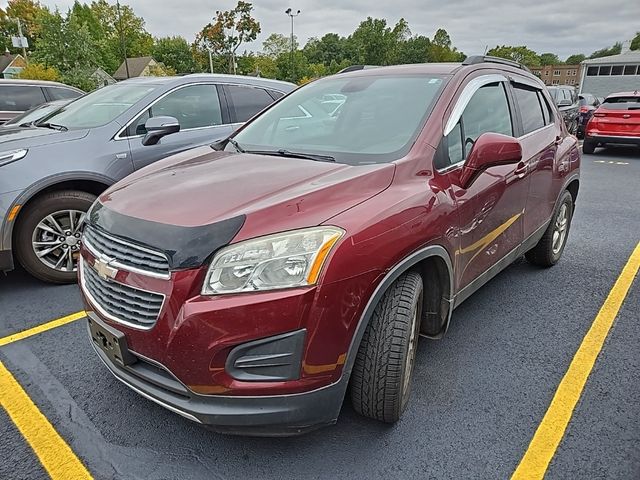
column 564, row 103
column 489, row 150
column 158, row 127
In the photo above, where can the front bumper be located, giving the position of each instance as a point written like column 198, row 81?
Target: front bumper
column 277, row 415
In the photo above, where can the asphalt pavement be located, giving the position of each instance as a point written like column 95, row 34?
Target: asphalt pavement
column 478, row 395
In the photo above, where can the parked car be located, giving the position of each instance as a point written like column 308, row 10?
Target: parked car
column 588, row 104
column 567, row 101
column 50, row 174
column 616, row 121
column 30, row 117
column 244, row 285
column 18, row 96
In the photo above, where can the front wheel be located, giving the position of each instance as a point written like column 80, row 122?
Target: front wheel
column 381, row 379
column 48, row 232
column 550, row 247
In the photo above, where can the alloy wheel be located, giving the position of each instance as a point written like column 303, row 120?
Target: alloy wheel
column 56, row 239
column 560, row 228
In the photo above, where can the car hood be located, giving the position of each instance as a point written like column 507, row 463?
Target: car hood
column 28, row 137
column 201, row 187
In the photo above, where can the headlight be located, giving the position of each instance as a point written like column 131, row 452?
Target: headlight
column 12, row 156
column 283, row 260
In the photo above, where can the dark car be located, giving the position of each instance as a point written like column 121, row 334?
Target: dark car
column 18, row 96
column 615, row 122
column 50, row 173
column 246, row 284
column 588, row 104
column 30, row 117
column 567, row 101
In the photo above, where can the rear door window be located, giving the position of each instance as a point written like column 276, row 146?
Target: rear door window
column 17, row 98
column 245, row 101
column 58, row 93
column 530, row 108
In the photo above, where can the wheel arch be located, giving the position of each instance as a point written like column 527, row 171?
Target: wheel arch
column 573, row 186
column 424, row 261
column 86, row 182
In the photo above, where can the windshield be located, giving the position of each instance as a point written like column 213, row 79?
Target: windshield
column 35, row 114
column 98, row 108
column 554, row 92
column 356, row 120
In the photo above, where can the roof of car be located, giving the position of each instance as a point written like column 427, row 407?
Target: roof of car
column 15, row 81
column 180, row 80
column 422, row 68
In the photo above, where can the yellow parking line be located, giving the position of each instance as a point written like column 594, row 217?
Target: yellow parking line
column 551, row 430
column 41, row 328
column 56, row 456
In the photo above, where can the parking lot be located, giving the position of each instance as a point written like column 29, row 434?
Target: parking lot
column 479, row 395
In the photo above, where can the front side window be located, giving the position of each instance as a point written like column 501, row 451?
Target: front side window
column 357, row 120
column 194, row 106
column 487, row 111
column 99, row 107
column 530, row 108
column 17, row 98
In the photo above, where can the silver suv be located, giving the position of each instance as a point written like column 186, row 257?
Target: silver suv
column 51, row 173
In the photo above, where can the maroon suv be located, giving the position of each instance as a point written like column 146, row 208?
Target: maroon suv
column 245, row 285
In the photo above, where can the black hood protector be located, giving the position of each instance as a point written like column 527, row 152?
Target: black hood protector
column 185, row 247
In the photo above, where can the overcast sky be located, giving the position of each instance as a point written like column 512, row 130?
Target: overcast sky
column 564, row 27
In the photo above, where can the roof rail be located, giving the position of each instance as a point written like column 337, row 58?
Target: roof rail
column 475, row 59
column 355, row 68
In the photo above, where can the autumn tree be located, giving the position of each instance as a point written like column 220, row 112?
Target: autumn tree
column 229, row 30
column 27, row 11
column 37, row 71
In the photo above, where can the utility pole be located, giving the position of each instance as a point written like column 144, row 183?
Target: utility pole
column 289, row 12
column 210, row 59
column 122, row 41
column 24, row 50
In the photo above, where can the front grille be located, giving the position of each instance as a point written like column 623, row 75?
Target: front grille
column 138, row 308
column 125, row 255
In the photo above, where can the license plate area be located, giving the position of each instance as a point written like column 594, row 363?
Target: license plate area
column 110, row 341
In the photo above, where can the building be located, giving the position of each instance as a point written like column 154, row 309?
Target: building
column 558, row 74
column 137, row 67
column 102, row 78
column 616, row 73
column 11, row 65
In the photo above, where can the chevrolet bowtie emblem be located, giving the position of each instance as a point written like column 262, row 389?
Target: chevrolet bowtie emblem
column 103, row 268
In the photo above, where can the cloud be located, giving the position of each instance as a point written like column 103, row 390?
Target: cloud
column 562, row 27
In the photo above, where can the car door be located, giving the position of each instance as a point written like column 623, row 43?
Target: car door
column 491, row 209
column 199, row 110
column 540, row 135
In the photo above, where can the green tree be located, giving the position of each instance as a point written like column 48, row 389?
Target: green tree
column 27, row 11
column 284, row 67
column 229, row 30
column 442, row 49
column 575, row 59
column 635, row 43
column 549, row 59
column 174, row 53
column 606, row 52
column 37, row 71
column 520, row 54
column 277, row 43
column 265, row 66
column 372, row 42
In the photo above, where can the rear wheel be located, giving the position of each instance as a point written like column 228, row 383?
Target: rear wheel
column 381, row 379
column 550, row 247
column 48, row 232
column 588, row 147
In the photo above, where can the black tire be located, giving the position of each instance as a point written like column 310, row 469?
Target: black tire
column 32, row 215
column 588, row 147
column 544, row 254
column 380, row 382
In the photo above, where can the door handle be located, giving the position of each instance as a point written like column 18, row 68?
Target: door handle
column 521, row 169
column 558, row 140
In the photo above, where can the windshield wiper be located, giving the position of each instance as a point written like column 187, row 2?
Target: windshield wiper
column 286, row 153
column 52, row 126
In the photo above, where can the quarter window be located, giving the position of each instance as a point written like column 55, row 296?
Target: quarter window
column 14, row 98
column 194, row 106
column 530, row 108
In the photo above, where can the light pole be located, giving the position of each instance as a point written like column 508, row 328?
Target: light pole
column 122, row 40
column 22, row 39
column 289, row 12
